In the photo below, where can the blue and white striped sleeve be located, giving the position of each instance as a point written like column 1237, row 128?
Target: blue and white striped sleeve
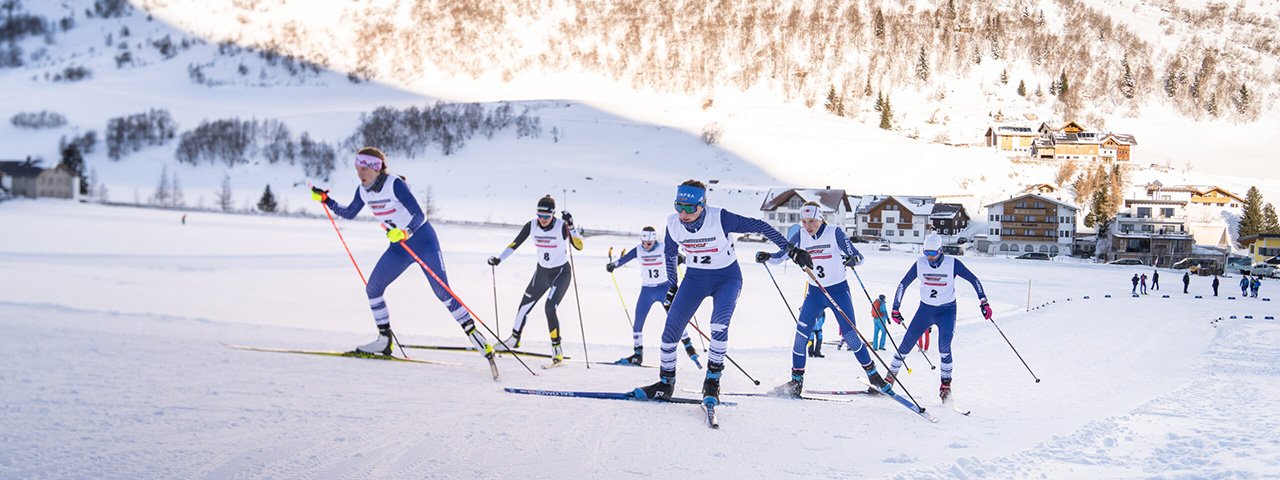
column 902, row 286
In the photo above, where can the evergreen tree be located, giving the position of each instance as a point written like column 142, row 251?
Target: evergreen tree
column 163, row 189
column 1252, row 220
column 886, row 115
column 1062, row 84
column 1004, row 77
column 225, row 202
column 1242, row 99
column 866, row 91
column 1022, row 88
column 74, row 161
column 922, row 66
column 878, row 25
column 833, row 102
column 1211, row 106
column 1128, row 87
column 268, row 201
column 879, row 102
column 1271, row 224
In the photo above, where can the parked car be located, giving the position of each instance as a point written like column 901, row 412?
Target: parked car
column 1125, row 261
column 1263, row 270
column 961, row 241
column 1200, row 266
column 884, row 247
column 1033, row 256
column 952, row 250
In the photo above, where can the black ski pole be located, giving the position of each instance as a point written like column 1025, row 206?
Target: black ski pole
column 886, row 331
column 1015, row 351
column 726, row 355
column 865, row 343
column 797, row 320
column 573, row 276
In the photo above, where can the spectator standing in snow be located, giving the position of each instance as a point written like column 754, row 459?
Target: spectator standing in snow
column 1215, row 285
column 1135, row 284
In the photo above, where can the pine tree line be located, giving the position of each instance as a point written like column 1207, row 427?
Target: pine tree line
column 447, row 126
column 234, row 142
column 130, row 133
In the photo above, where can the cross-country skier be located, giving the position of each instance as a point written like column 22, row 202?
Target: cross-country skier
column 830, row 252
column 653, row 281
column 937, row 274
column 703, row 233
column 880, row 313
column 552, row 237
column 391, row 202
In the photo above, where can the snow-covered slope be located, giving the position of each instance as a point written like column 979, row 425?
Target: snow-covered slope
column 113, row 368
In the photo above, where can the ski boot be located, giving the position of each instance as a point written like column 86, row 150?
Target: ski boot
column 557, row 355
column 634, row 359
column 711, row 386
column 945, row 390
column 658, row 391
column 381, row 346
column 511, row 343
column 792, row 388
column 876, row 381
column 693, row 352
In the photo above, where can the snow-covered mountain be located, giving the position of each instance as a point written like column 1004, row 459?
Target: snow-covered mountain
column 626, row 94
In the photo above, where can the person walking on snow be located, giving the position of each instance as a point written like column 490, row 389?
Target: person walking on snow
column 391, row 202
column 1244, row 285
column 830, row 253
column 653, row 281
column 1186, row 282
column 937, row 274
column 1215, row 285
column 703, row 233
column 1257, row 284
column 1144, row 284
column 880, row 312
column 552, row 237
column 1155, row 279
column 1135, row 284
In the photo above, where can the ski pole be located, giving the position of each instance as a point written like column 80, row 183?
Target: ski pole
column 357, row 265
column 438, row 280
column 493, row 273
column 726, row 355
column 886, row 330
column 797, row 320
column 573, row 276
column 1015, row 351
column 865, row 343
column 625, row 309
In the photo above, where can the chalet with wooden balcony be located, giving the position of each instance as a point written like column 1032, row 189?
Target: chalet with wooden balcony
column 1030, row 222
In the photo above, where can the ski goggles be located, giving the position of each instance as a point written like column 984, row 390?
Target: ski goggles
column 932, row 253
column 686, row 207
column 648, row 236
column 368, row 161
column 546, row 215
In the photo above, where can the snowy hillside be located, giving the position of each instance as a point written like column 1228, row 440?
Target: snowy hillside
column 113, row 368
column 289, row 61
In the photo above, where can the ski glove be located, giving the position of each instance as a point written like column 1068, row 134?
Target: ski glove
column 671, row 296
column 568, row 219
column 801, row 257
column 853, row 260
column 396, row 235
column 494, row 261
column 762, row 257
column 986, row 309
column 608, row 267
column 897, row 317
column 319, row 195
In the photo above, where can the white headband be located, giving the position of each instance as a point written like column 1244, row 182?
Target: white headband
column 810, row 211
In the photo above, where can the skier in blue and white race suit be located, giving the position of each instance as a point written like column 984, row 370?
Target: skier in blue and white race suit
column 937, row 274
column 392, row 203
column 831, row 253
column 552, row 237
column 702, row 232
column 653, row 281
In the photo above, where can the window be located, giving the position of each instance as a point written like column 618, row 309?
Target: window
column 1013, row 247
column 1029, row 232
column 1053, row 250
column 1029, row 248
column 1148, row 228
column 1044, row 249
column 916, row 232
column 1144, row 212
column 888, row 219
column 773, row 216
column 1030, row 219
column 795, row 217
column 866, row 218
column 1166, row 212
column 888, row 233
column 1039, row 204
column 794, row 203
column 1004, row 248
column 1166, row 197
